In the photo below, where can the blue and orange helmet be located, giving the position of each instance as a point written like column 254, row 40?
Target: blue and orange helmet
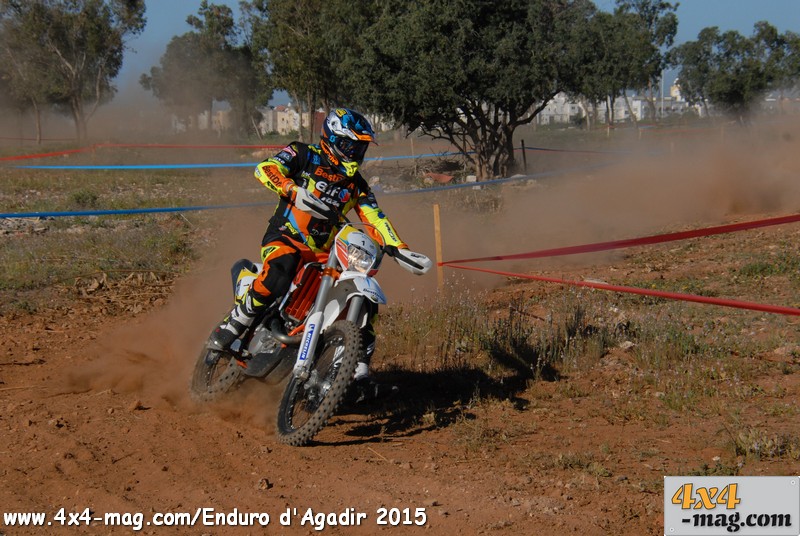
column 346, row 135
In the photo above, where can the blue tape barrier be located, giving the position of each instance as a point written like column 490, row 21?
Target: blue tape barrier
column 209, row 166
column 122, row 212
column 253, row 164
column 573, row 151
column 140, row 166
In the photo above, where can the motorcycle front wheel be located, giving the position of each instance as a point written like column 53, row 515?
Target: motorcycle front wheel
column 215, row 373
column 308, row 404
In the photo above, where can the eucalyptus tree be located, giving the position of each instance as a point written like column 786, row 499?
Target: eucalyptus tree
column 76, row 48
column 790, row 64
column 213, row 62
column 739, row 74
column 306, row 44
column 695, row 60
column 26, row 80
column 654, row 23
column 613, row 59
column 184, row 81
column 780, row 55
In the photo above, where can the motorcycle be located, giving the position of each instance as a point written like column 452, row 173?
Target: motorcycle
column 312, row 334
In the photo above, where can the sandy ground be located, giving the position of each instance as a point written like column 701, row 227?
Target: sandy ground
column 94, row 410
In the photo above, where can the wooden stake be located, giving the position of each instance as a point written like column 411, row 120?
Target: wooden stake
column 437, row 231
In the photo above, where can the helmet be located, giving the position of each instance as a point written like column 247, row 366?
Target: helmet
column 345, row 138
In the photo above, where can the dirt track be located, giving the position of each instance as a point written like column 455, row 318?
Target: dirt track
column 115, row 433
column 94, row 414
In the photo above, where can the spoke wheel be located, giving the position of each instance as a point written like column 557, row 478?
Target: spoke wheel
column 215, row 373
column 308, row 404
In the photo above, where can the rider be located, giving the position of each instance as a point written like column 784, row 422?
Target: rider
column 317, row 185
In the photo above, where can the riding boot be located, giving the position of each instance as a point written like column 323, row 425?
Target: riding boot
column 368, row 348
column 235, row 323
column 364, row 388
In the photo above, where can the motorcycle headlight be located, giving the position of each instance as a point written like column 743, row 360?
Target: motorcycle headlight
column 358, row 259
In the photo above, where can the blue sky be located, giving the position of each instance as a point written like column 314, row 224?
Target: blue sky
column 166, row 18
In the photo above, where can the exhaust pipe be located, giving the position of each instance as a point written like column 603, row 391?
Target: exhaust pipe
column 277, row 333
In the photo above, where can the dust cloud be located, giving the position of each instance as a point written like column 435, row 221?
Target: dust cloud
column 700, row 183
column 153, row 356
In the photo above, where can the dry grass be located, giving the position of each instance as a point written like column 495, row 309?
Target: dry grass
column 656, row 359
column 526, row 345
column 36, row 254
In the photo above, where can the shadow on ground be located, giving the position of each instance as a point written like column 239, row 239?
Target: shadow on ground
column 428, row 400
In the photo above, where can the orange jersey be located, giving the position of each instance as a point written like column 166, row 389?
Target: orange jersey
column 307, row 166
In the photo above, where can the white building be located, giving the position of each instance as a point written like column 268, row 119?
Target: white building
column 285, row 119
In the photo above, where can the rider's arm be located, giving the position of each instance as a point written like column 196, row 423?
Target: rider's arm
column 369, row 212
column 274, row 172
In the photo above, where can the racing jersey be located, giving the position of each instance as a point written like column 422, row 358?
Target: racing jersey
column 307, row 166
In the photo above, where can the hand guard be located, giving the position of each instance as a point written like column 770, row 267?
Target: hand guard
column 414, row 262
column 308, row 202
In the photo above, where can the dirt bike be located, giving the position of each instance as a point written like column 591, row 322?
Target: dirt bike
column 312, row 334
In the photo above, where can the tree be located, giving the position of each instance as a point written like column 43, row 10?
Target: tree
column 471, row 71
column 652, row 24
column 780, row 54
column 184, row 81
column 77, row 47
column 305, row 44
column 733, row 71
column 790, row 64
column 26, row 82
column 613, row 47
column 739, row 74
column 595, row 64
column 232, row 60
column 695, row 59
column 214, row 62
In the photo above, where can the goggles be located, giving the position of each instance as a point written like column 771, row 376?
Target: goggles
column 353, row 150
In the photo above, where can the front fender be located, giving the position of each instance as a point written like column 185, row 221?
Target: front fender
column 348, row 285
column 365, row 285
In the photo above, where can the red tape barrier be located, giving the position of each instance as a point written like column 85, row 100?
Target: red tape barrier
column 630, row 242
column 645, row 292
column 44, row 155
column 647, row 240
column 136, row 145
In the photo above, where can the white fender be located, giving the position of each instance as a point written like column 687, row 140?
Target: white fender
column 366, row 285
column 348, row 285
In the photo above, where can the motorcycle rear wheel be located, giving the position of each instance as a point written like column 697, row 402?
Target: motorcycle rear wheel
column 307, row 405
column 214, row 376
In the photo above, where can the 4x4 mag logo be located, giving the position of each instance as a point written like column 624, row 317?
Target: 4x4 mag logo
column 724, row 505
column 706, row 498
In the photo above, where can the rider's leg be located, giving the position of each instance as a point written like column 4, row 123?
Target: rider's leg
column 280, row 264
column 235, row 322
column 368, row 348
column 364, row 387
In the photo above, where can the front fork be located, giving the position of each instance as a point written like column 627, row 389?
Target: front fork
column 316, row 320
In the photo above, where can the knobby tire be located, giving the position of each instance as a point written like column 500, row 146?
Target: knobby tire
column 301, row 399
column 211, row 381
